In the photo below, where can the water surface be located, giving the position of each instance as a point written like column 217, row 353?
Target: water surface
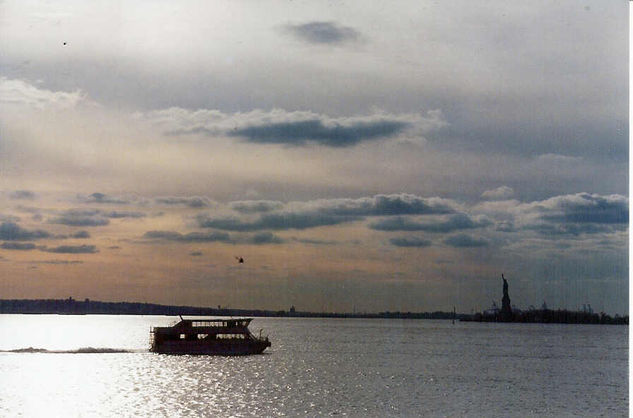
column 347, row 367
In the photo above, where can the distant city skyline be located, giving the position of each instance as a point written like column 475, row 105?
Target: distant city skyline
column 367, row 157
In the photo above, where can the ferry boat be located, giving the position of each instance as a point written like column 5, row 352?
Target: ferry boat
column 225, row 337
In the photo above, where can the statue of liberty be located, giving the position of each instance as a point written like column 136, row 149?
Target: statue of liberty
column 506, row 309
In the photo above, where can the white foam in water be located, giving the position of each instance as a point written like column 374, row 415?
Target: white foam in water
column 82, row 350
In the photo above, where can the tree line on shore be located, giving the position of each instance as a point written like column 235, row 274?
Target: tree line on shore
column 87, row 306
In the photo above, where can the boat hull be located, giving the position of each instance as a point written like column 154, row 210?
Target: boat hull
column 217, row 348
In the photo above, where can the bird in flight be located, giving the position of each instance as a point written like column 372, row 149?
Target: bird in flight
column 240, row 260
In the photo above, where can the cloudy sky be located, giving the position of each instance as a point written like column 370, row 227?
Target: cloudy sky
column 359, row 156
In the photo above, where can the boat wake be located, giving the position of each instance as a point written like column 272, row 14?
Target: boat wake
column 83, row 350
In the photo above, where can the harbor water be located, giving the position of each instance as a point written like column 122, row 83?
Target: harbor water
column 99, row 365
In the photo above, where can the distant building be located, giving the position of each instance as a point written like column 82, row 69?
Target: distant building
column 493, row 310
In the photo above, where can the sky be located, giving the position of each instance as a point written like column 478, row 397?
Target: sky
column 360, row 156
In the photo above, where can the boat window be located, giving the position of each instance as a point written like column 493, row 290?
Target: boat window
column 209, row 323
column 230, row 336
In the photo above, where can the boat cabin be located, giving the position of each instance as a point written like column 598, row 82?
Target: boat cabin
column 203, row 329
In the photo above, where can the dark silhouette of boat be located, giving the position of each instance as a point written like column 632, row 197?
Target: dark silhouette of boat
column 225, row 337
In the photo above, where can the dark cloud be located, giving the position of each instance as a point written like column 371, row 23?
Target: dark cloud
column 454, row 223
column 327, row 212
column 569, row 229
column 194, row 131
column 57, row 262
column 314, row 241
column 190, row 237
column 123, row 214
column 103, row 198
column 576, row 214
column 266, row 238
column 10, row 231
column 92, row 217
column 192, row 202
column 81, row 234
column 9, row 218
column 464, row 241
column 591, row 208
column 337, row 135
column 505, row 226
column 410, row 242
column 168, row 235
column 73, row 249
column 22, row 194
column 385, row 205
column 254, row 206
column 279, row 221
column 79, row 217
column 18, row 246
column 323, row 33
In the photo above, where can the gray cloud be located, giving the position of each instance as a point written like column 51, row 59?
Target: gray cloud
column 9, row 218
column 22, row 194
column 465, row 241
column 574, row 215
column 18, row 246
column 123, row 214
column 314, row 241
column 81, row 234
column 571, row 214
column 103, row 198
column 10, row 231
column 505, row 226
column 266, row 238
column 275, row 221
column 569, row 229
column 302, row 132
column 327, row 212
column 92, row 217
column 254, row 206
column 190, row 237
column 323, row 33
column 500, row 193
column 79, row 217
column 192, row 202
column 73, row 249
column 456, row 222
column 389, row 205
column 588, row 208
column 410, row 242
column 298, row 128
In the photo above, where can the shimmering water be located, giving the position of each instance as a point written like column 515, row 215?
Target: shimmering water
column 348, row 367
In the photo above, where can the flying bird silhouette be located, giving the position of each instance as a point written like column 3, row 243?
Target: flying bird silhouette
column 240, row 260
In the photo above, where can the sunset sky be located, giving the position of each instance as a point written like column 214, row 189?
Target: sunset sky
column 361, row 156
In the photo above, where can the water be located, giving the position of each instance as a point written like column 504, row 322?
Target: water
column 344, row 367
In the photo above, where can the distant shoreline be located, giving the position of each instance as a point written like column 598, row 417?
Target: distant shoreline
column 71, row 306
